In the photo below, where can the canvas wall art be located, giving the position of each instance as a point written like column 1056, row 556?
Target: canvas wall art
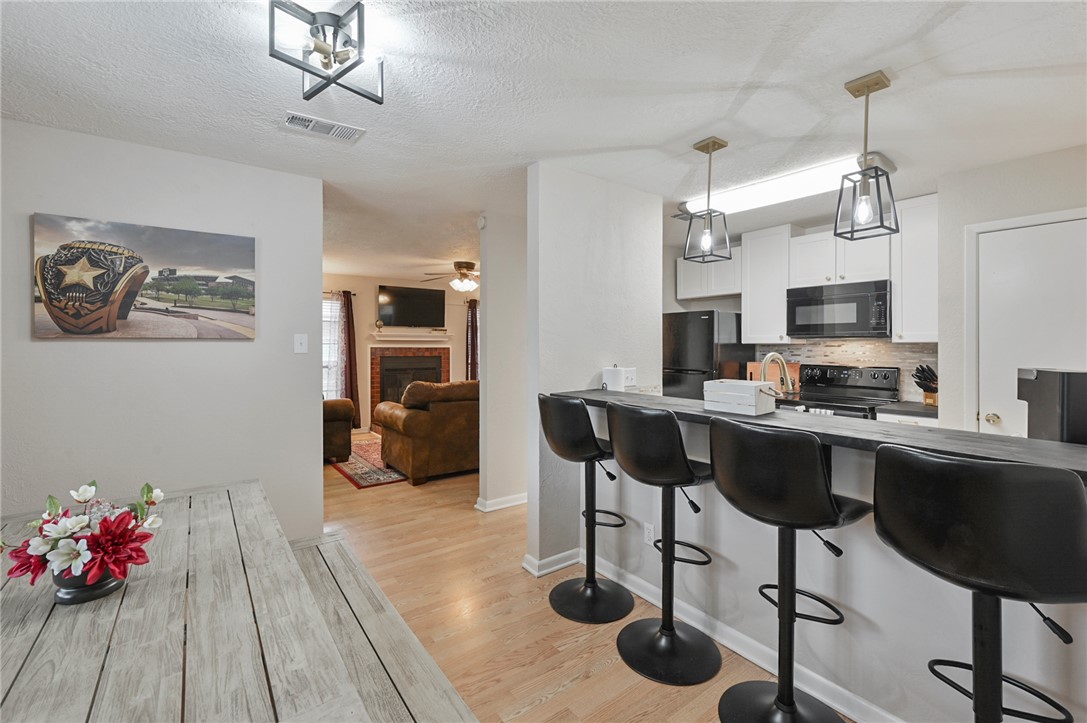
column 108, row 280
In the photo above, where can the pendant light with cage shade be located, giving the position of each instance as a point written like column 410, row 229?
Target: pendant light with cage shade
column 707, row 231
column 866, row 204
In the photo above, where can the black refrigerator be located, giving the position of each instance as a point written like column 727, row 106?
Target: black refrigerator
column 700, row 346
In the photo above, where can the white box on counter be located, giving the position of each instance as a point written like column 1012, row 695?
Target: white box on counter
column 737, row 396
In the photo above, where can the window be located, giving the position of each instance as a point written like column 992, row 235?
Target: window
column 333, row 348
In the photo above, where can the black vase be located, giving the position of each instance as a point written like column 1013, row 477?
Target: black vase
column 75, row 590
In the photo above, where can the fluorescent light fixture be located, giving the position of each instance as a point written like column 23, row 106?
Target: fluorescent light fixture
column 791, row 186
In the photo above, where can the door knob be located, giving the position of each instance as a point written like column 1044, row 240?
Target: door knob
column 992, row 418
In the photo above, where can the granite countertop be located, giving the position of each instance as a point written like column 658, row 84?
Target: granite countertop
column 868, row 434
column 909, row 409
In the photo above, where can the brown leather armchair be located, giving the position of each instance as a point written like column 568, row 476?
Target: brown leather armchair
column 433, row 431
column 338, row 414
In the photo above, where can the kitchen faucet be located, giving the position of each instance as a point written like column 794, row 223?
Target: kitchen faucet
column 780, row 360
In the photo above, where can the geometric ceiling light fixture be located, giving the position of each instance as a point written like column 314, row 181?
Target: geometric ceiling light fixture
column 325, row 46
column 866, row 204
column 707, row 229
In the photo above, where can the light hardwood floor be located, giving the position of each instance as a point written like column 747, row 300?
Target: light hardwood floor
column 455, row 575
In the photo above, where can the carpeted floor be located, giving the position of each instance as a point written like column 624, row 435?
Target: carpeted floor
column 365, row 468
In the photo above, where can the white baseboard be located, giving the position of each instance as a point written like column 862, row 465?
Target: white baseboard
column 831, row 693
column 501, row 503
column 548, row 565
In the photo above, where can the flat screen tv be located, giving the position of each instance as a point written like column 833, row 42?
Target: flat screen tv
column 405, row 306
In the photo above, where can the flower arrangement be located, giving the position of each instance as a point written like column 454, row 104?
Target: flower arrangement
column 103, row 537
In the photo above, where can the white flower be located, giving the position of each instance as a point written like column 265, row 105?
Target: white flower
column 38, row 546
column 156, row 496
column 153, row 522
column 69, row 553
column 84, row 494
column 77, row 523
column 58, row 528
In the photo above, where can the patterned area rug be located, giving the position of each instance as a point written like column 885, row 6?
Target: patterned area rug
column 365, row 468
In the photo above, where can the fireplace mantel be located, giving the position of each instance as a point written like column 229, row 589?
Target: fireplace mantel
column 396, row 336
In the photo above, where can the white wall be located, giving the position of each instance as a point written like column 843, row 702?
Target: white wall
column 178, row 414
column 594, row 261
column 1048, row 182
column 365, row 288
column 506, row 417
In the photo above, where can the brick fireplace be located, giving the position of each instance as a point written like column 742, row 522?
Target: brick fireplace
column 404, row 363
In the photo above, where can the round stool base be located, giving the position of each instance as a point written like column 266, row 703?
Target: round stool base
column 604, row 602
column 756, row 702
column 686, row 657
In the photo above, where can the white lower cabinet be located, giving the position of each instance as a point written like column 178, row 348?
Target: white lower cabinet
column 717, row 278
column 764, row 278
column 907, row 419
column 914, row 277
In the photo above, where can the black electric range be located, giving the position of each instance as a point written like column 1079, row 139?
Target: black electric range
column 844, row 391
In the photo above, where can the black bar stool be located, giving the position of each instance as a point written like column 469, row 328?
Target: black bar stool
column 569, row 432
column 648, row 446
column 780, row 477
column 999, row 529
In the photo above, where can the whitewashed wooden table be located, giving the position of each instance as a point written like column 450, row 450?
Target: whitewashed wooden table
column 223, row 624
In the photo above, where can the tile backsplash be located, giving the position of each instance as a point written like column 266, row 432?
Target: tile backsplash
column 862, row 353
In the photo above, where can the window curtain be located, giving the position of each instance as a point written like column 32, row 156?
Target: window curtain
column 332, row 346
column 350, row 366
column 473, row 339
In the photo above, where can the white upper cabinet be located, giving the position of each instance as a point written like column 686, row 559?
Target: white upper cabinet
column 764, row 278
column 819, row 259
column 914, row 301
column 864, row 260
column 812, row 260
column 718, row 278
column 689, row 284
column 723, row 277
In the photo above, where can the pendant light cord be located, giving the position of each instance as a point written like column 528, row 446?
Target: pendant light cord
column 864, row 158
column 709, row 185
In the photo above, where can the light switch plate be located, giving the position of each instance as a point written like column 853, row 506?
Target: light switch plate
column 301, row 343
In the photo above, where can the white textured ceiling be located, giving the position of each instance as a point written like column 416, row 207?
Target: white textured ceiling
column 478, row 90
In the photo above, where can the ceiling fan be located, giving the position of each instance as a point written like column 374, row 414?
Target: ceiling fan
column 465, row 277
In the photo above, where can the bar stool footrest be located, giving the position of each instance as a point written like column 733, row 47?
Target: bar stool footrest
column 621, row 523
column 838, row 618
column 935, row 664
column 687, row 560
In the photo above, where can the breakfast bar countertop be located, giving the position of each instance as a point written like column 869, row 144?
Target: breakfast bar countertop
column 866, row 434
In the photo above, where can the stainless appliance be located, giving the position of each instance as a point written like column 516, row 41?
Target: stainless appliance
column 862, row 309
column 1056, row 404
column 700, row 346
column 844, row 391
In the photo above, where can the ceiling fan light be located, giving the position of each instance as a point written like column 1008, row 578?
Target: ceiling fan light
column 464, row 284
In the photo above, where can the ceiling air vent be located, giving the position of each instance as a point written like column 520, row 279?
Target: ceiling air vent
column 299, row 122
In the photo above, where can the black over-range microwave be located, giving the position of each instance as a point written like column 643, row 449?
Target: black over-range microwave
column 842, row 310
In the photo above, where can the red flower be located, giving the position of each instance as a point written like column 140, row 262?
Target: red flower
column 117, row 544
column 27, row 563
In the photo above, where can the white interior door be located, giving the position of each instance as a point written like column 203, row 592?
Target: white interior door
column 1032, row 312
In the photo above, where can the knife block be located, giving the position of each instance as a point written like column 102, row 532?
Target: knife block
column 930, row 399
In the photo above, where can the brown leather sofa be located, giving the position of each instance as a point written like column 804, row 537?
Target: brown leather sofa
column 338, row 414
column 433, row 431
